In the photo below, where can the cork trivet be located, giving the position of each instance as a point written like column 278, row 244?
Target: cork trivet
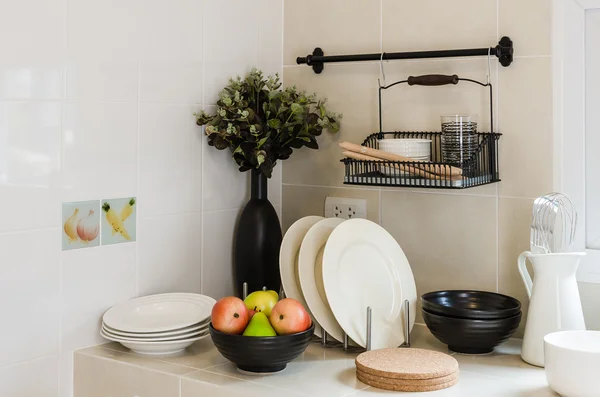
column 408, row 382
column 406, row 363
column 387, row 386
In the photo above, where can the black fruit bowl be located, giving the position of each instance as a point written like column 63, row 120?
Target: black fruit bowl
column 477, row 305
column 468, row 336
column 261, row 354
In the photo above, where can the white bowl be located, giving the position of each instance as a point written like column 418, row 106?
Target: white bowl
column 407, row 147
column 572, row 360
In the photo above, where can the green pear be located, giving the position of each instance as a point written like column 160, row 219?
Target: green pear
column 259, row 326
column 261, row 301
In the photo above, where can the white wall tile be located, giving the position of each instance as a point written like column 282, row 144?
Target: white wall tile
column 270, row 36
column 169, row 252
column 232, row 54
column 29, row 164
column 102, row 81
column 170, row 30
column 29, row 295
column 32, row 30
column 217, row 254
column 35, row 378
column 93, row 280
column 99, row 150
column 168, row 149
column 103, row 30
column 31, row 82
column 166, row 81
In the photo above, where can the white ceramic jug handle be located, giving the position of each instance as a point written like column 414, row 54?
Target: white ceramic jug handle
column 524, row 273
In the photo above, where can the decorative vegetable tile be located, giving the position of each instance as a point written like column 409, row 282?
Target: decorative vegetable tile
column 81, row 224
column 119, row 220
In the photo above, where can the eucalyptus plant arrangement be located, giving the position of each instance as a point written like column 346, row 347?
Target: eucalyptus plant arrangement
column 261, row 123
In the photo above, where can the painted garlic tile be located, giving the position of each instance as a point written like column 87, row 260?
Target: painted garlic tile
column 118, row 220
column 81, row 224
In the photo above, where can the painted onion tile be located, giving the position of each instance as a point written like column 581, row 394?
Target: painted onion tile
column 80, row 224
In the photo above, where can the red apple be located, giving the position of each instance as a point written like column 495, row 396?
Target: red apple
column 288, row 316
column 229, row 315
column 251, row 313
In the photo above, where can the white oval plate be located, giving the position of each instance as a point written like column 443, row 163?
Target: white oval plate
column 195, row 327
column 156, row 348
column 119, row 338
column 159, row 313
column 363, row 266
column 310, row 264
column 288, row 261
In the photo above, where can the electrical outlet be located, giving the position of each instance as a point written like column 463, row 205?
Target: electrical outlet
column 345, row 208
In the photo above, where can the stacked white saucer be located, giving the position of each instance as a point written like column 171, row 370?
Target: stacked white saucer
column 158, row 324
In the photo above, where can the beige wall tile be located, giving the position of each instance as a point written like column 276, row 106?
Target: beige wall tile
column 590, row 298
column 450, row 240
column 514, row 220
column 300, row 201
column 436, row 25
column 526, row 124
column 351, row 90
column 528, row 24
column 337, row 26
column 98, row 377
column 202, row 383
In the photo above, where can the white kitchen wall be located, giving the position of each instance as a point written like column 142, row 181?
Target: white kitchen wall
column 96, row 101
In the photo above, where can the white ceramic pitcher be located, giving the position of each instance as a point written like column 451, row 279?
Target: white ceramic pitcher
column 554, row 300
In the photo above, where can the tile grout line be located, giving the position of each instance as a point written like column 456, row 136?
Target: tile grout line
column 202, row 161
column 137, row 188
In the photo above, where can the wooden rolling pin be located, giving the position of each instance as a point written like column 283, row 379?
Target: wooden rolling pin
column 442, row 170
column 401, row 167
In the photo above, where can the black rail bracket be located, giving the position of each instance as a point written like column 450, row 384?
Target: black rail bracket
column 504, row 51
column 316, row 66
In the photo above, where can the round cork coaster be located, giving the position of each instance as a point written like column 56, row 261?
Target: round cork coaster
column 406, row 363
column 407, row 382
column 407, row 388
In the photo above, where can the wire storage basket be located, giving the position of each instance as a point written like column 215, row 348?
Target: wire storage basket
column 478, row 167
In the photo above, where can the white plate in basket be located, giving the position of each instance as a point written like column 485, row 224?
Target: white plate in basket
column 156, row 348
column 288, row 261
column 310, row 271
column 159, row 313
column 363, row 266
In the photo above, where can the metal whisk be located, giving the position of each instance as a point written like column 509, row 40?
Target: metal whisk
column 553, row 225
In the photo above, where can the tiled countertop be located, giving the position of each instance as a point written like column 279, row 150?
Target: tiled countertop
column 110, row 370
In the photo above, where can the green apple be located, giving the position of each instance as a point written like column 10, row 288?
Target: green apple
column 261, row 301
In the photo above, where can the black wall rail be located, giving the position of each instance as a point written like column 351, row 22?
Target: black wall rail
column 503, row 51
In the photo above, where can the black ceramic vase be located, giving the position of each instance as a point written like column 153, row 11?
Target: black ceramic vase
column 257, row 241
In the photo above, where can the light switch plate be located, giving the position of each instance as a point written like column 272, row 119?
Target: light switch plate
column 345, row 208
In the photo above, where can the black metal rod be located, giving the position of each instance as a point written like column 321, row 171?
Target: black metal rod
column 396, row 55
column 503, row 51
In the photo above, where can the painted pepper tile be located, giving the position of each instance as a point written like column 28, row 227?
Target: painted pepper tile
column 81, row 224
column 119, row 220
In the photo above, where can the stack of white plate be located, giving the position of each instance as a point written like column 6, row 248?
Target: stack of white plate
column 158, row 324
column 339, row 268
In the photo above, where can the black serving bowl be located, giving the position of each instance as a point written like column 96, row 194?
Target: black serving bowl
column 477, row 305
column 261, row 354
column 469, row 336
